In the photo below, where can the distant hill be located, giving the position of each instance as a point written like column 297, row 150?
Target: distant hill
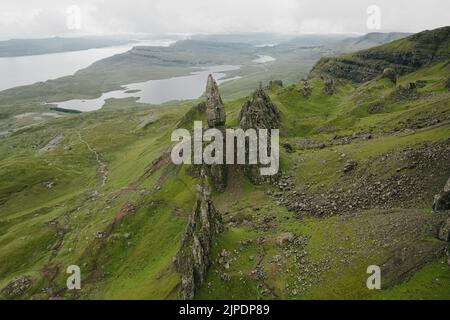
column 27, row 47
column 312, row 40
column 272, row 39
column 404, row 55
column 368, row 40
column 253, row 38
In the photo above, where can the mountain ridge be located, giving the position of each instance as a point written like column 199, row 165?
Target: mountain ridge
column 403, row 56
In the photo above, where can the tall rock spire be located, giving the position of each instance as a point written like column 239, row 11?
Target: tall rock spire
column 215, row 110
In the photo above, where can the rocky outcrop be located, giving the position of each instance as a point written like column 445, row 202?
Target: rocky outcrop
column 194, row 256
column 444, row 231
column 259, row 113
column 409, row 186
column 406, row 261
column 403, row 56
column 390, row 74
column 306, row 91
column 442, row 200
column 215, row 113
column 329, row 87
column 17, row 287
column 215, row 110
column 410, row 86
column 287, row 237
column 350, row 165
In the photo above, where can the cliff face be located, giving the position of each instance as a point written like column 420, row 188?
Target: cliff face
column 215, row 113
column 194, row 256
column 442, row 200
column 259, row 113
column 215, row 110
column 402, row 56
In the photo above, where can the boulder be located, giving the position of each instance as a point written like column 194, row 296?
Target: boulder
column 411, row 86
column 444, row 231
column 306, row 90
column 350, row 165
column 288, row 147
column 390, row 74
column 330, row 87
column 285, row 238
column 442, row 200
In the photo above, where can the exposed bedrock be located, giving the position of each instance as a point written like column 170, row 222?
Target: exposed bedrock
column 194, row 256
column 442, row 200
column 259, row 113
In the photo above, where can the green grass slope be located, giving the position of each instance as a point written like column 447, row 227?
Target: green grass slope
column 404, row 56
column 98, row 190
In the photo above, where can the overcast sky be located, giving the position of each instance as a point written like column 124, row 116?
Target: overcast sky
column 25, row 18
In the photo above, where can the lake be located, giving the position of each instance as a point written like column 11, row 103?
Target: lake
column 19, row 71
column 187, row 87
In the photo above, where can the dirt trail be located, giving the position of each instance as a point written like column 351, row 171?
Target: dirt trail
column 102, row 165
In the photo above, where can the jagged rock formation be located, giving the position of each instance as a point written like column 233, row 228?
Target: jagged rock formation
column 444, row 231
column 194, row 256
column 442, row 200
column 330, row 87
column 410, row 86
column 259, row 113
column 306, row 91
column 288, row 147
column 17, row 287
column 219, row 176
column 215, row 112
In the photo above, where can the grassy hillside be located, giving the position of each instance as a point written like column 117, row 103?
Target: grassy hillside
column 366, row 41
column 404, row 56
column 98, row 190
